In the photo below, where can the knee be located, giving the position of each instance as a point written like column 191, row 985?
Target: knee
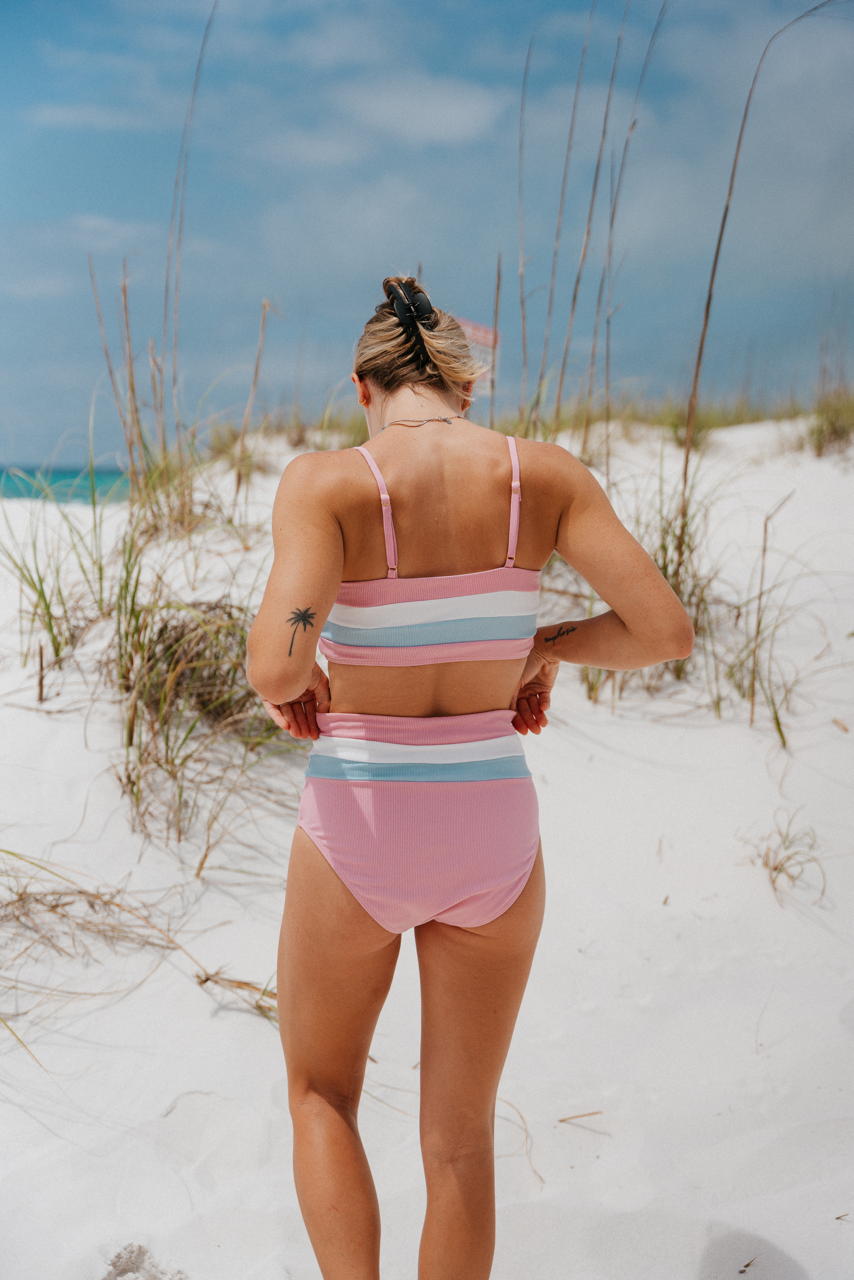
column 310, row 1101
column 447, row 1150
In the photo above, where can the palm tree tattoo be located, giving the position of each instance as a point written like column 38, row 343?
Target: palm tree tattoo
column 300, row 618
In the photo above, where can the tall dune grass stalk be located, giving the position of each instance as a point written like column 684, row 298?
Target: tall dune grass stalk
column 524, row 400
column 179, row 196
column 585, row 244
column 692, row 402
column 759, row 606
column 494, row 345
column 612, row 217
column 541, row 380
column 241, row 448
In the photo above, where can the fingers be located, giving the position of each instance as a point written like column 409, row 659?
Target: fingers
column 275, row 714
column 530, row 714
column 299, row 727
column 526, row 719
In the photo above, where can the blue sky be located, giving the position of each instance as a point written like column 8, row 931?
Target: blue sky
column 335, row 143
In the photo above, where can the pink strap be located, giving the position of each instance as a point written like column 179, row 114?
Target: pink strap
column 515, row 499
column 388, row 524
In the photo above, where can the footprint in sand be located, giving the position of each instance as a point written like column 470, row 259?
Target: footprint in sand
column 134, row 1262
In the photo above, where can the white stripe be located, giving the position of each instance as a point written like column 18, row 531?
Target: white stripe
column 492, row 604
column 357, row 749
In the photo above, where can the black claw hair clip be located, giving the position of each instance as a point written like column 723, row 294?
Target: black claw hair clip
column 410, row 308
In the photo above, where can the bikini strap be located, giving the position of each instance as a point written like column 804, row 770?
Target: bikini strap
column 388, row 523
column 515, row 499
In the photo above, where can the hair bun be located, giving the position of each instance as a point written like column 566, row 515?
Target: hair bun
column 410, row 306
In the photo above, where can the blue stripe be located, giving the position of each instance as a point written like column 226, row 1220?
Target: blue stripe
column 453, row 632
column 467, row 771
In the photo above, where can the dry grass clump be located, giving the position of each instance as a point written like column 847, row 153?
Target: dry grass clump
column 788, row 854
column 67, row 919
column 244, row 457
column 180, row 660
column 832, row 427
column 193, row 727
column 47, row 914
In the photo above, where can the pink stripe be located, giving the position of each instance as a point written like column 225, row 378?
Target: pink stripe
column 417, row 731
column 424, row 655
column 405, row 590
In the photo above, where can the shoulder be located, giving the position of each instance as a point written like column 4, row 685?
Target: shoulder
column 554, row 468
column 308, row 488
column 318, row 476
column 323, row 467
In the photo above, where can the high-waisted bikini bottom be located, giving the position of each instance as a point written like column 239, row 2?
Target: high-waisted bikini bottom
column 423, row 818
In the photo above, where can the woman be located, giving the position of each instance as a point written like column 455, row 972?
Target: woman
column 418, row 557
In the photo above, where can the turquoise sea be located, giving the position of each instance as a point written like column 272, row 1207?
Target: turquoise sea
column 62, row 485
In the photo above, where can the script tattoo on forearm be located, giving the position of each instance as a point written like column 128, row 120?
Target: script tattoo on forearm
column 559, row 633
column 300, row 618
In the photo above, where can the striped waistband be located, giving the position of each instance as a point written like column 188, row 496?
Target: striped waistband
column 473, row 748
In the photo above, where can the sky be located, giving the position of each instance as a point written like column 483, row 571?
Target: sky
column 335, row 142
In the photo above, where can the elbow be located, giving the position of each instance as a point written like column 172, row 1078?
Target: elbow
column 673, row 643
column 277, row 682
column 681, row 641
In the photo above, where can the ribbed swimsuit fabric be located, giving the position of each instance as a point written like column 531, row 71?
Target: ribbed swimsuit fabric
column 427, row 818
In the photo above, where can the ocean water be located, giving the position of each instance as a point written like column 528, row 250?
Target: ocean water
column 62, row 485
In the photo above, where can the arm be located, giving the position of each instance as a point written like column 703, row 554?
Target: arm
column 307, row 566
column 646, row 623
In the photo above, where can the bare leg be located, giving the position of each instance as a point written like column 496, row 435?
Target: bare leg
column 472, row 983
column 335, row 968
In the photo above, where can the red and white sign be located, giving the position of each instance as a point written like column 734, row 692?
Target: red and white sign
column 482, row 340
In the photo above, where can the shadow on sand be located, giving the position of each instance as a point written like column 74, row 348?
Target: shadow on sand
column 730, row 1254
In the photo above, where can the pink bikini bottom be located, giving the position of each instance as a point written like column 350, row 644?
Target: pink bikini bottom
column 430, row 818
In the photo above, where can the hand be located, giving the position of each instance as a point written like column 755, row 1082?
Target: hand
column 300, row 716
column 533, row 697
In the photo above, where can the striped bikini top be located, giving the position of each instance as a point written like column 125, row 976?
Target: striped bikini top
column 416, row 622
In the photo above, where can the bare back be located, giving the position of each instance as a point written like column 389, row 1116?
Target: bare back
column 450, row 492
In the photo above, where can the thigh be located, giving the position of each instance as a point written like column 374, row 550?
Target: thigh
column 472, row 983
column 335, row 968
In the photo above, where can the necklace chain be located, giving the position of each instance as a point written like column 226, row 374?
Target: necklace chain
column 410, row 422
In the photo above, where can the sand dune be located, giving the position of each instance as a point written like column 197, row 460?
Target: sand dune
column 678, row 1103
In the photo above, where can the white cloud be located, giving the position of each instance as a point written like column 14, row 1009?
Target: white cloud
column 423, row 109
column 91, row 115
column 316, row 149
column 39, row 286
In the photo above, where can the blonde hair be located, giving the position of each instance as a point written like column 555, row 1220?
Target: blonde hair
column 430, row 349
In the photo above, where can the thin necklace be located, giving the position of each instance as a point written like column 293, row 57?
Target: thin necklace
column 410, row 422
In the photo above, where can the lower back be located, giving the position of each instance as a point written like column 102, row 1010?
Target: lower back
column 446, row 689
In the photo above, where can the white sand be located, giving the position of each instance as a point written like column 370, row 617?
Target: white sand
column 711, row 1027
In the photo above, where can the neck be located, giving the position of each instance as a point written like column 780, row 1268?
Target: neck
column 410, row 405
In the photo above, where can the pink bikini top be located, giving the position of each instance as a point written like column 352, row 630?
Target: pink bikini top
column 416, row 622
